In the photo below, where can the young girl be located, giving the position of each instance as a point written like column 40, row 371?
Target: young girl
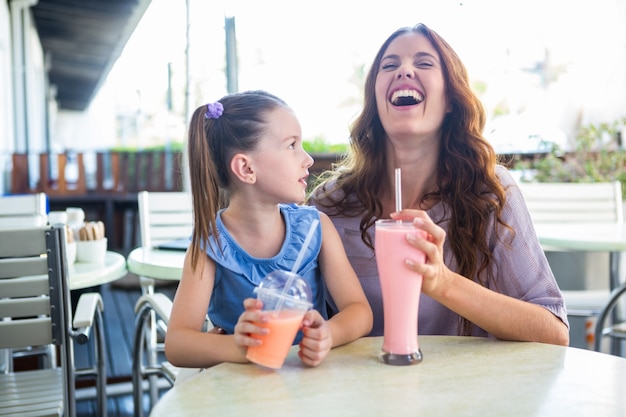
column 248, row 173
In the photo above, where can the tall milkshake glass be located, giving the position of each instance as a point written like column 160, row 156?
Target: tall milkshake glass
column 400, row 289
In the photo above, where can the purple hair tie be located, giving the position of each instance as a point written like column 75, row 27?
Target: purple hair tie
column 214, row 110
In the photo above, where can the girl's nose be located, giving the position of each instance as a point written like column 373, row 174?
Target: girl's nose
column 309, row 160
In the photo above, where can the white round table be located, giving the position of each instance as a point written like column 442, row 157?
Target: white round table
column 459, row 376
column 85, row 274
column 156, row 263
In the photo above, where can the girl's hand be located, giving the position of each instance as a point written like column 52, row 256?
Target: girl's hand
column 434, row 271
column 317, row 339
column 246, row 327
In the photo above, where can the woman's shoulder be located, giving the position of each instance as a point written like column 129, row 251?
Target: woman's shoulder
column 505, row 176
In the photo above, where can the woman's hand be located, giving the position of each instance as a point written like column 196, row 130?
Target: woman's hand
column 245, row 329
column 317, row 340
column 434, row 271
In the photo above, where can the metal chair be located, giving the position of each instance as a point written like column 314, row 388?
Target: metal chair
column 152, row 315
column 16, row 211
column 35, row 308
column 163, row 217
column 615, row 329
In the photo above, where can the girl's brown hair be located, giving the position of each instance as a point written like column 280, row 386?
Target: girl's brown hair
column 213, row 139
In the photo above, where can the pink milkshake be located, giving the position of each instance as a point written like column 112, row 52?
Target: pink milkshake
column 400, row 289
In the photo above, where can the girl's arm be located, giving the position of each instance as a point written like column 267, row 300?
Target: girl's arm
column 186, row 345
column 355, row 318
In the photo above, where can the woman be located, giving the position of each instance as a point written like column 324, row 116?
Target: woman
column 485, row 273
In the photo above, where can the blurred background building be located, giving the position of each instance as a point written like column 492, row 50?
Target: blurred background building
column 128, row 73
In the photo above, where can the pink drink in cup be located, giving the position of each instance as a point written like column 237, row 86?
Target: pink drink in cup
column 400, row 289
column 286, row 308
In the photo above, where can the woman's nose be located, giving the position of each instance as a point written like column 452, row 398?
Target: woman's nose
column 404, row 72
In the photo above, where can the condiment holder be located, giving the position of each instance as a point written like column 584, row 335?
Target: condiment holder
column 92, row 243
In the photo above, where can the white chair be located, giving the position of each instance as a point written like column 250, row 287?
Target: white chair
column 152, row 317
column 36, row 310
column 23, row 210
column 565, row 203
column 16, row 211
column 163, row 217
column 570, row 202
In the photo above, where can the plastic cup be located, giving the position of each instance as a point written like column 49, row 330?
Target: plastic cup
column 287, row 297
column 400, row 288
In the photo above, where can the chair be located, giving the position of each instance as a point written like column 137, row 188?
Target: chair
column 152, row 312
column 617, row 331
column 163, row 217
column 569, row 202
column 574, row 203
column 16, row 211
column 35, row 310
column 23, row 210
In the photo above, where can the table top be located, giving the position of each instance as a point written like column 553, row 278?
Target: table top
column 156, row 263
column 86, row 274
column 459, row 376
column 591, row 237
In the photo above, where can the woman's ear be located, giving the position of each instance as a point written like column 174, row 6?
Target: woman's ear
column 241, row 166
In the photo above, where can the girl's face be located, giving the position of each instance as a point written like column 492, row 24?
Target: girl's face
column 281, row 164
column 410, row 88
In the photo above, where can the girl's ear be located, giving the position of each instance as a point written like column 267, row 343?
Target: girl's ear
column 241, row 166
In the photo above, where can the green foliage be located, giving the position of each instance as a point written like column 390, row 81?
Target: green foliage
column 316, row 146
column 319, row 145
column 173, row 147
column 598, row 157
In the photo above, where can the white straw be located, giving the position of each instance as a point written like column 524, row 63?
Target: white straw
column 296, row 264
column 398, row 190
column 305, row 245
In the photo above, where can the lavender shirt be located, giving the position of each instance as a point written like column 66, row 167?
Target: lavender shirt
column 520, row 269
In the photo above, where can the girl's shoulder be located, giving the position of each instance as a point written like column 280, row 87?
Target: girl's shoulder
column 296, row 211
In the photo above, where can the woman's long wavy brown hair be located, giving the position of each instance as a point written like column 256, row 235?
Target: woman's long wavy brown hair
column 466, row 179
